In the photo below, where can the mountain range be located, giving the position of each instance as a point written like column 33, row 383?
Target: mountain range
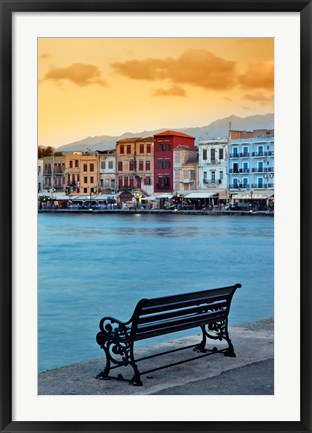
column 216, row 129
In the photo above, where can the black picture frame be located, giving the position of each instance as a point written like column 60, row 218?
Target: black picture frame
column 8, row 7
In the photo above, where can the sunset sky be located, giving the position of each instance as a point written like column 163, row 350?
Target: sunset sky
column 108, row 86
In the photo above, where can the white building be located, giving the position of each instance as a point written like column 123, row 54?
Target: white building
column 212, row 164
column 107, row 165
column 40, row 174
column 251, row 160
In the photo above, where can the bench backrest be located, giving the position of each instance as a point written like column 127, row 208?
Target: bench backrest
column 169, row 314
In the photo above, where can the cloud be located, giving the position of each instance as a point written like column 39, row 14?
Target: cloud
column 173, row 91
column 258, row 75
column 45, row 55
column 77, row 73
column 195, row 67
column 260, row 97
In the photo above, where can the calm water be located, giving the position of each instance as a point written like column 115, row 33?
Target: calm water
column 91, row 266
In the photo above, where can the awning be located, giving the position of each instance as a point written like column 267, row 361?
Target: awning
column 164, row 196
column 256, row 195
column 151, row 198
column 201, row 195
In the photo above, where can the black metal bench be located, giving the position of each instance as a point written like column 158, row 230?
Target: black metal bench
column 208, row 309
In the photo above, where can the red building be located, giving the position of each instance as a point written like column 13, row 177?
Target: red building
column 164, row 143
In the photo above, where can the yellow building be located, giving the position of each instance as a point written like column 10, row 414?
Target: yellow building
column 185, row 168
column 82, row 173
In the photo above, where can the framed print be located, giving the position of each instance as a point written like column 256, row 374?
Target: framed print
column 170, row 226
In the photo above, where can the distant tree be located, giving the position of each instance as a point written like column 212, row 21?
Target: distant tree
column 45, row 151
column 58, row 154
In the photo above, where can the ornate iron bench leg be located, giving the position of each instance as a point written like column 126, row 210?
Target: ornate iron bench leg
column 136, row 380
column 103, row 375
column 201, row 346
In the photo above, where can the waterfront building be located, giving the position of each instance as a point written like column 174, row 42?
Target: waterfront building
column 40, row 174
column 164, row 145
column 107, row 166
column 54, row 173
column 212, row 164
column 134, row 166
column 251, row 165
column 185, row 168
column 82, row 173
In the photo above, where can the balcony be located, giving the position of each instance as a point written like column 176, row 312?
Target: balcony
column 239, row 170
column 245, row 186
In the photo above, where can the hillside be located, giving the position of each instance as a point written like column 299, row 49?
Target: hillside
column 218, row 128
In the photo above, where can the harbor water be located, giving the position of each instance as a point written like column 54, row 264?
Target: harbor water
column 90, row 266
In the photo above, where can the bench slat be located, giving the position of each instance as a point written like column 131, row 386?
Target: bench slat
column 147, row 309
column 175, row 328
column 204, row 294
column 192, row 319
column 181, row 312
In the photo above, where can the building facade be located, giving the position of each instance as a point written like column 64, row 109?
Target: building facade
column 164, row 145
column 40, row 174
column 251, row 159
column 212, row 164
column 107, row 165
column 134, row 164
column 54, row 173
column 185, row 168
column 82, row 173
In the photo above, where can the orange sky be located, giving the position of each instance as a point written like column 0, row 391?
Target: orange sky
column 108, row 86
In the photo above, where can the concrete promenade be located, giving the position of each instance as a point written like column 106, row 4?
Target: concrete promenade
column 250, row 373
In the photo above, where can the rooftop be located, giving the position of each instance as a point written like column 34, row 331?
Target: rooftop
column 173, row 133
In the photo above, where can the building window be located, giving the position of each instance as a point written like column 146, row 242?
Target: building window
column 91, row 167
column 167, row 163
column 148, row 148
column 131, row 165
column 132, row 181
column 148, row 180
column 120, row 181
column 221, row 175
column 119, row 165
column 159, row 147
column 76, row 162
column 85, row 190
column 205, row 176
column 128, row 148
column 166, row 146
column 141, row 148
column 91, row 179
column 245, row 151
column 204, row 154
column 260, row 150
column 85, row 167
column 147, row 166
column 70, row 164
column 141, row 167
column 160, row 163
column 68, row 178
column 192, row 172
column 78, row 177
column 102, row 165
column 220, row 153
column 122, row 149
column 110, row 165
column 235, row 151
column 166, row 180
column 213, row 155
column 85, row 179
column 213, row 177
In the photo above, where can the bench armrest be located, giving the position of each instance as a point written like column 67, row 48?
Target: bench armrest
column 114, row 329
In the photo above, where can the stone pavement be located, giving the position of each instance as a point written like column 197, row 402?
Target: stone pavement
column 250, row 373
